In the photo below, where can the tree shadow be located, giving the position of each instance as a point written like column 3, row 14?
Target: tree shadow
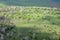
column 32, row 34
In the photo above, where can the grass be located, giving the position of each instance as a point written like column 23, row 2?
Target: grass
column 2, row 5
column 45, row 22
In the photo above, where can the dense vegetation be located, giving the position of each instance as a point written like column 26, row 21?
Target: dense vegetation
column 32, row 23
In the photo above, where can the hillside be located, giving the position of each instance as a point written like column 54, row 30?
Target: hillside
column 34, row 23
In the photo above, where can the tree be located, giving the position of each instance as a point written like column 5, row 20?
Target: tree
column 5, row 26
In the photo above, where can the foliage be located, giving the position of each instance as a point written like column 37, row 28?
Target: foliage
column 31, row 23
column 5, row 27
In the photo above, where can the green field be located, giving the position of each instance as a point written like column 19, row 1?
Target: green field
column 36, row 23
